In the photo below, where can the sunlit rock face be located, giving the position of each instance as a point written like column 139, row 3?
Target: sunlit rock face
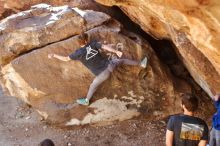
column 193, row 26
column 33, row 28
column 52, row 86
column 8, row 7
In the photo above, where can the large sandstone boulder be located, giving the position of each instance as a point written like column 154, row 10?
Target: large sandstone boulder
column 40, row 26
column 193, row 26
column 52, row 86
column 9, row 7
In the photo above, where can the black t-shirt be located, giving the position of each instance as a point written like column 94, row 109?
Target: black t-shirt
column 90, row 56
column 188, row 130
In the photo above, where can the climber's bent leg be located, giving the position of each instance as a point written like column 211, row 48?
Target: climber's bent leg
column 96, row 82
column 129, row 62
column 99, row 79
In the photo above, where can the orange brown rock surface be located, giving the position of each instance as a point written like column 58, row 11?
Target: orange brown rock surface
column 52, row 86
column 193, row 26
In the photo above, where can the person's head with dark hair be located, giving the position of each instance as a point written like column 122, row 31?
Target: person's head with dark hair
column 189, row 102
column 47, row 142
column 84, row 38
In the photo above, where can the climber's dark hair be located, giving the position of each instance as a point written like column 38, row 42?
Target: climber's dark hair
column 47, row 142
column 190, row 101
column 84, row 37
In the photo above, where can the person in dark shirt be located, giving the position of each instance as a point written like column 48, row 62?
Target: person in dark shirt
column 185, row 129
column 215, row 132
column 46, row 142
column 90, row 56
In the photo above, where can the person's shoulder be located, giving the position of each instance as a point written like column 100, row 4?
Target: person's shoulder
column 93, row 42
column 174, row 117
column 82, row 49
column 201, row 121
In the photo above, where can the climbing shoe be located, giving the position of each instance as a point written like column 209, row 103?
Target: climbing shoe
column 82, row 101
column 144, row 62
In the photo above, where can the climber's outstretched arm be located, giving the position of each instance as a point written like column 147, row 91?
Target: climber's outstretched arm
column 111, row 49
column 59, row 57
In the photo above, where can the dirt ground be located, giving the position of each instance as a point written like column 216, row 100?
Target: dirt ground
column 22, row 126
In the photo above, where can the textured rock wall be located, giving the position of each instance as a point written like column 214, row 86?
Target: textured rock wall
column 32, row 29
column 193, row 25
column 9, row 7
column 52, row 86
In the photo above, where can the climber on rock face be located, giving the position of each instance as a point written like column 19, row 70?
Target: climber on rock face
column 100, row 66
